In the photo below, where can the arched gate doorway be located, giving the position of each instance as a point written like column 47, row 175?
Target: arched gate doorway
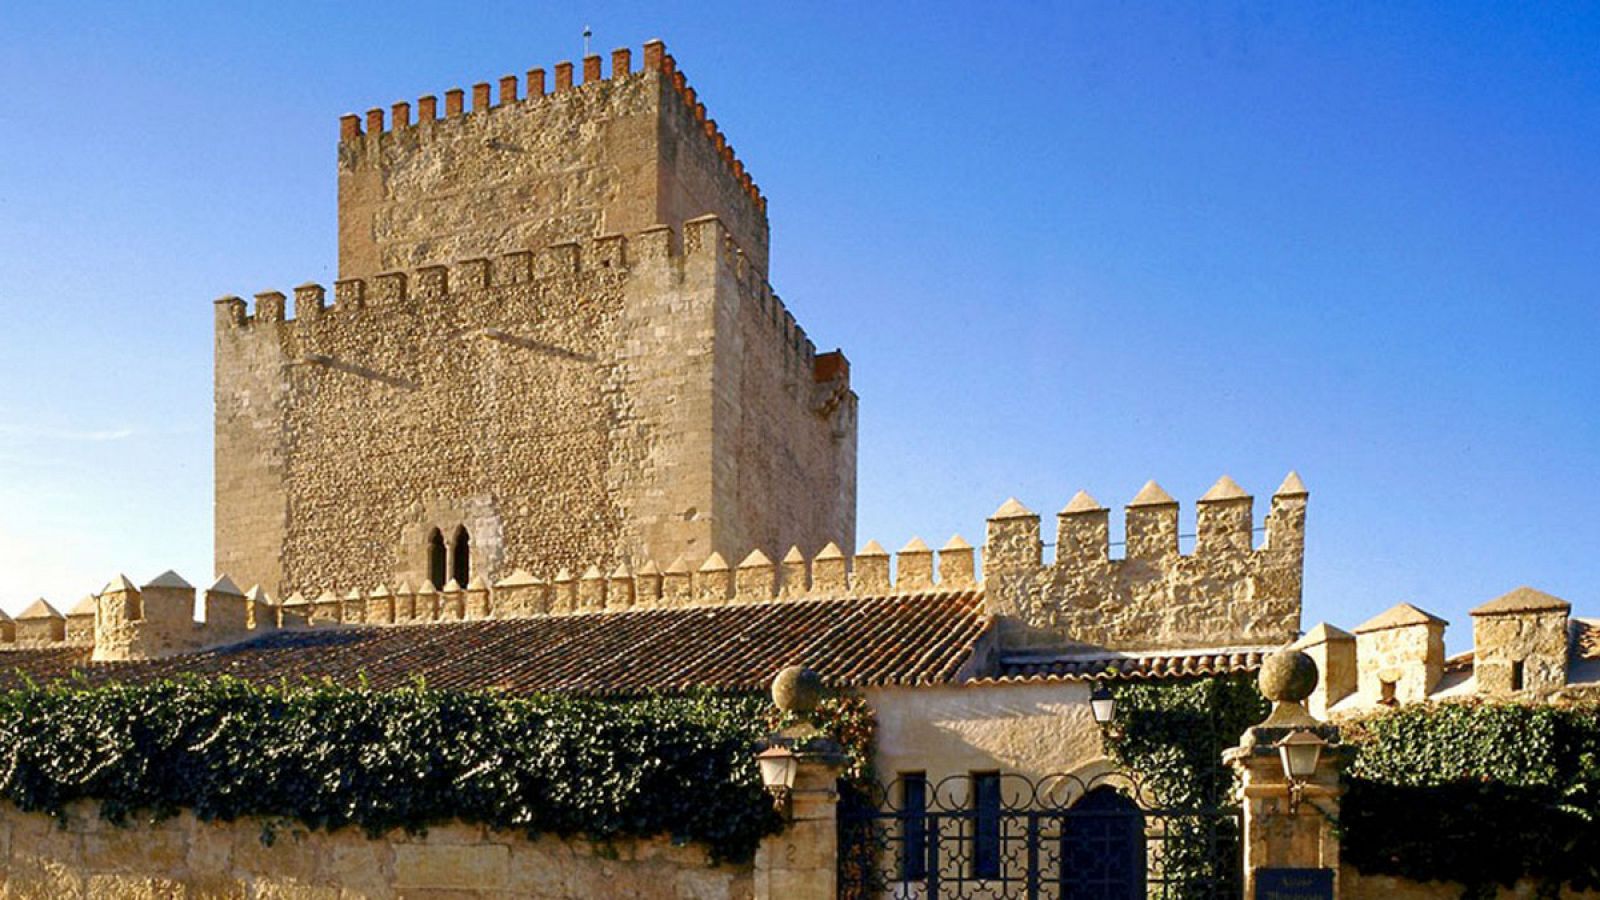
column 1000, row 836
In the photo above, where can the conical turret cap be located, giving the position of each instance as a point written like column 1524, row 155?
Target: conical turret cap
column 40, row 609
column 1225, row 489
column 1152, row 494
column 1292, row 486
column 1081, row 502
column 1011, row 509
column 170, row 579
column 225, row 585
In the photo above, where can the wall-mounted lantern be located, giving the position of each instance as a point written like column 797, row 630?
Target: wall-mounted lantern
column 1299, row 751
column 778, row 767
column 1103, row 704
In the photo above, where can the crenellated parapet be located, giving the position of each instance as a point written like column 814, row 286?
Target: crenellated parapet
column 1227, row 591
column 160, row 619
column 611, row 256
column 607, row 255
column 706, row 234
column 830, row 574
column 1526, row 646
column 608, row 260
column 365, row 134
column 125, row 622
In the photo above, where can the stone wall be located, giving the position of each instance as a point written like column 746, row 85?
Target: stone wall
column 600, row 156
column 1227, row 592
column 562, row 406
column 1536, row 641
column 493, row 403
column 1399, row 664
column 250, row 453
column 785, row 428
column 184, row 857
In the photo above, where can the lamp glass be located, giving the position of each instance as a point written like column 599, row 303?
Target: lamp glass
column 1103, row 705
column 778, row 767
column 1300, row 759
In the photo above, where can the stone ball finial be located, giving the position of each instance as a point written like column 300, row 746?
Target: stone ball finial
column 1287, row 676
column 797, row 690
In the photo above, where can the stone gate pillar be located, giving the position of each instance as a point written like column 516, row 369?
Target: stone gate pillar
column 802, row 861
column 1291, row 849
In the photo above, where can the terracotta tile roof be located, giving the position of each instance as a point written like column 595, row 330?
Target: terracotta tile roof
column 909, row 639
column 1127, row 666
column 40, row 664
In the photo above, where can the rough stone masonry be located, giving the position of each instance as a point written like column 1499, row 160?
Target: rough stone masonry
column 553, row 340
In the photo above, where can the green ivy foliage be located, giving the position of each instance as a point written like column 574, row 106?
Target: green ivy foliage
column 849, row 721
column 1172, row 735
column 331, row 757
column 1481, row 794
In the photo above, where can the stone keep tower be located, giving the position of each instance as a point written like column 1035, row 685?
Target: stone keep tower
column 552, row 343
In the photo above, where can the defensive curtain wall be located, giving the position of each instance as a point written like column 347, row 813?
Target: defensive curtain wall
column 601, row 402
column 1226, row 593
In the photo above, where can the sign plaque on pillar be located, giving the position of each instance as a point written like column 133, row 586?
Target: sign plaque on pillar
column 1294, row 884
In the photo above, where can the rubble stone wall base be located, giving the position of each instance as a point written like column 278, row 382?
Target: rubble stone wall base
column 183, row 857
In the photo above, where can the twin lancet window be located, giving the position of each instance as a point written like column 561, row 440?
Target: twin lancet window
column 452, row 561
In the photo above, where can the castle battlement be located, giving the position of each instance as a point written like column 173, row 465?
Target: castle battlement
column 1227, row 592
column 612, row 256
column 1224, row 527
column 159, row 619
column 527, row 130
column 357, row 130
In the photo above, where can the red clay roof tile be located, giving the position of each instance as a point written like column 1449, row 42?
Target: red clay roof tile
column 859, row 642
column 1154, row 664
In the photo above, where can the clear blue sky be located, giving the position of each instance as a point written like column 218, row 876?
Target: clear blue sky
column 1064, row 247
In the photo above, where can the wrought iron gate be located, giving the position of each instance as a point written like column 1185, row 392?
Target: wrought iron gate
column 997, row 837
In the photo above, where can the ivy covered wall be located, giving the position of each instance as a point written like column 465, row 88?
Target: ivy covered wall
column 326, row 757
column 1480, row 794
